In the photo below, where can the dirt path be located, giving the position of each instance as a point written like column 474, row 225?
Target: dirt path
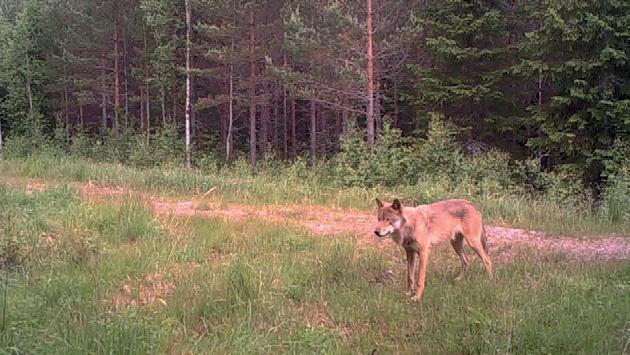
column 323, row 221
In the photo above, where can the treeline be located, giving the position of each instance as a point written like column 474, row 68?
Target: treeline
column 537, row 79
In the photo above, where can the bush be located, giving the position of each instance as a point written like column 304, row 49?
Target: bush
column 438, row 155
column 491, row 171
column 616, row 196
column 565, row 186
column 351, row 164
column 164, row 148
column 81, row 145
column 438, row 158
column 20, row 146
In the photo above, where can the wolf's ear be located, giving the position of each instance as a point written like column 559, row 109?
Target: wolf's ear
column 397, row 205
column 379, row 204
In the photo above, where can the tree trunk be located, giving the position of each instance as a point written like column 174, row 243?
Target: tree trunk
column 252, row 92
column 323, row 132
column 66, row 110
column 148, row 110
column 293, row 135
column 1, row 142
column 104, row 95
column 395, row 103
column 29, row 93
column 275, row 122
column 313, row 131
column 378, row 119
column 126, row 75
column 338, row 129
column 284, row 105
column 284, row 124
column 147, row 94
column 370, row 77
column 228, row 138
column 345, row 122
column 188, row 88
column 81, row 116
column 141, row 109
column 174, row 96
column 163, row 103
column 265, row 123
column 116, row 69
column 540, row 98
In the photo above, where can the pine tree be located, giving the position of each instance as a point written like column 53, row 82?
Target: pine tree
column 462, row 67
column 578, row 55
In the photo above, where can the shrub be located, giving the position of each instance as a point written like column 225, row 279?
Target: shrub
column 351, row 164
column 565, row 186
column 616, row 196
column 386, row 165
column 164, row 148
column 438, row 155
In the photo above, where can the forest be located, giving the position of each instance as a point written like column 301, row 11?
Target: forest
column 200, row 176
column 540, row 86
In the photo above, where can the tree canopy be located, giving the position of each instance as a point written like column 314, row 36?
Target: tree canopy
column 532, row 78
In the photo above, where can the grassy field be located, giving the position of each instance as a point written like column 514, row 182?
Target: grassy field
column 292, row 186
column 113, row 277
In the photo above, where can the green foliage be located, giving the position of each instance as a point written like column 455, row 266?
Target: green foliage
column 262, row 285
column 162, row 17
column 388, row 164
column 241, row 286
column 352, row 162
column 579, row 50
column 164, row 148
column 464, row 71
column 565, row 186
column 438, row 155
column 616, row 201
column 406, row 161
column 617, row 159
column 616, row 194
column 24, row 69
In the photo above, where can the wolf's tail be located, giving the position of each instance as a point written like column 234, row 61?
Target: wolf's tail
column 484, row 238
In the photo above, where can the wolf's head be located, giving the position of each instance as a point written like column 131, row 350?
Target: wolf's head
column 390, row 218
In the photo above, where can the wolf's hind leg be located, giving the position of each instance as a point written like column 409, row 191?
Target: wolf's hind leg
column 478, row 248
column 458, row 244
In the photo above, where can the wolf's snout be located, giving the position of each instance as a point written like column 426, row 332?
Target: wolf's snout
column 377, row 232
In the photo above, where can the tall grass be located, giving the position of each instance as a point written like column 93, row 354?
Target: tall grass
column 262, row 287
column 294, row 185
column 62, row 259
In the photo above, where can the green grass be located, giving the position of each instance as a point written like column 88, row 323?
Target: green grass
column 262, row 287
column 287, row 186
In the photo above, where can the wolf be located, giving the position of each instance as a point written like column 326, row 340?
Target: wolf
column 417, row 228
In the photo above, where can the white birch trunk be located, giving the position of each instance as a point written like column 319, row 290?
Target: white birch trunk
column 188, row 88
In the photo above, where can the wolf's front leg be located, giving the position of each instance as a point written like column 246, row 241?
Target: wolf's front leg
column 424, row 258
column 411, row 270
